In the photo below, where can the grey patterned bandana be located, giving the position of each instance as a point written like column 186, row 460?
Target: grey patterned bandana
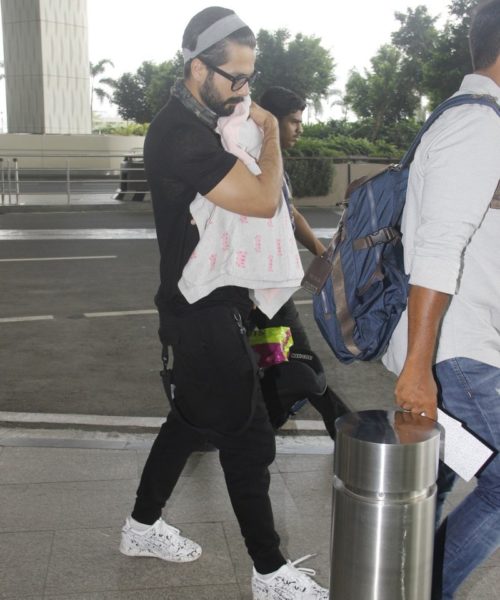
column 207, row 116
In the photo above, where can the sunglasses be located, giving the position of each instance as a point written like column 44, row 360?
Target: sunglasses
column 237, row 81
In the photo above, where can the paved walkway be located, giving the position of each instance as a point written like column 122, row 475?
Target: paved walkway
column 64, row 495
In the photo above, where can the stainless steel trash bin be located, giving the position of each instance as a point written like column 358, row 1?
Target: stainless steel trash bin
column 384, row 500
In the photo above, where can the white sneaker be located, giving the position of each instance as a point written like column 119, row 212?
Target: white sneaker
column 160, row 540
column 289, row 583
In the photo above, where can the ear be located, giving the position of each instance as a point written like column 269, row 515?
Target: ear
column 496, row 68
column 493, row 71
column 198, row 70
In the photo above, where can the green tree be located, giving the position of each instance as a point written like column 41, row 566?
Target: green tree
column 129, row 97
column 97, row 82
column 416, row 38
column 139, row 96
column 301, row 64
column 385, row 94
column 158, row 91
column 450, row 59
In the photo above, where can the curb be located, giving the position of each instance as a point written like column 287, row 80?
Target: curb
column 99, row 440
column 125, row 424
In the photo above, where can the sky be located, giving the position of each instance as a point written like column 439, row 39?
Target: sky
column 128, row 32
column 352, row 30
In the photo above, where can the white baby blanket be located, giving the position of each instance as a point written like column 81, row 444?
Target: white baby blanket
column 251, row 252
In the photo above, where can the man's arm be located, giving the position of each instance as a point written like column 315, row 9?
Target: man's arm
column 416, row 389
column 254, row 195
column 305, row 235
column 459, row 174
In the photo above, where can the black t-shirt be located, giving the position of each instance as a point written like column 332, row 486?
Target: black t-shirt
column 183, row 156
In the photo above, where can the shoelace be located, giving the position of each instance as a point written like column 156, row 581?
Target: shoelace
column 166, row 527
column 304, row 570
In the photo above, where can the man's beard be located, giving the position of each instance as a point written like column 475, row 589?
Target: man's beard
column 212, row 99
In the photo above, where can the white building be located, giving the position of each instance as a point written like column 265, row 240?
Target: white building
column 46, row 64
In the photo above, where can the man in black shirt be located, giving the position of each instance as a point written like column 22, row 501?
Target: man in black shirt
column 213, row 386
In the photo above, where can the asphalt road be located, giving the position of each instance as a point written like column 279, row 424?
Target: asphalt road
column 77, row 320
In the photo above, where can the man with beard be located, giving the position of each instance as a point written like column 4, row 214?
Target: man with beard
column 213, row 387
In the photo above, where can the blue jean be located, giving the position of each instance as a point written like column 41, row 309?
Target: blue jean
column 470, row 391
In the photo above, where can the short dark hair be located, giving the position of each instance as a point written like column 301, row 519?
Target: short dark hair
column 217, row 53
column 281, row 101
column 484, row 37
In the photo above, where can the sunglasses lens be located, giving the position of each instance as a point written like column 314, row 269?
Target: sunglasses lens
column 238, row 84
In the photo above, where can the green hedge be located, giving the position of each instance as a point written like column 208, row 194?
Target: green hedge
column 396, row 136
column 309, row 168
column 345, row 145
column 122, row 128
column 310, row 177
column 310, row 163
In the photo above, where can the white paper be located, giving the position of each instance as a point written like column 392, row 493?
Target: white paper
column 463, row 451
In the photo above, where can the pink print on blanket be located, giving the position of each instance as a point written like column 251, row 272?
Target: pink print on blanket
column 212, row 259
column 225, row 240
column 241, row 259
column 258, row 243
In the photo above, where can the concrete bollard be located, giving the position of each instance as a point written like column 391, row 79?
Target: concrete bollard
column 384, row 502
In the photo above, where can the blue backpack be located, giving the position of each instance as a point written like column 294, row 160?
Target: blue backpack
column 359, row 305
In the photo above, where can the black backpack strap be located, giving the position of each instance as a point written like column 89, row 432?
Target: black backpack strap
column 444, row 106
column 386, row 235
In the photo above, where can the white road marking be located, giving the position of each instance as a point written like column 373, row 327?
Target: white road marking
column 77, row 234
column 106, row 234
column 324, row 232
column 21, row 319
column 99, row 315
column 49, row 258
column 121, row 313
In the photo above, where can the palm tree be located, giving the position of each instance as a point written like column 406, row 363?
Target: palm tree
column 96, row 82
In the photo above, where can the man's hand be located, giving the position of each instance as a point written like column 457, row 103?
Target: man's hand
column 251, row 195
column 416, row 391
